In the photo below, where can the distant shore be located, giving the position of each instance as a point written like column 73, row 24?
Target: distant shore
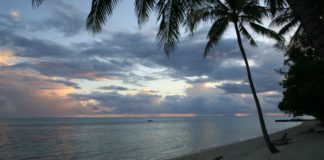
column 305, row 144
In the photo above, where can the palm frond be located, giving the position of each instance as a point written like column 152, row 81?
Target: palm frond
column 100, row 11
column 265, row 31
column 275, row 5
column 235, row 4
column 247, row 35
column 171, row 14
column 196, row 17
column 297, row 33
column 37, row 3
column 215, row 33
column 283, row 18
column 143, row 9
column 249, row 18
column 255, row 11
column 285, row 29
column 221, row 5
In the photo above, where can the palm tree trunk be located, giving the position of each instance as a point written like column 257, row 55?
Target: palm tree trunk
column 271, row 147
column 311, row 22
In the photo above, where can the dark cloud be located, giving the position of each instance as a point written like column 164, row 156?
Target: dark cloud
column 74, row 69
column 27, row 103
column 223, row 63
column 30, row 95
column 119, row 104
column 26, row 47
column 235, row 88
column 116, row 88
column 66, row 83
column 120, row 56
column 197, row 101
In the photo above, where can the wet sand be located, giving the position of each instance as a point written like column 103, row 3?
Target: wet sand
column 302, row 146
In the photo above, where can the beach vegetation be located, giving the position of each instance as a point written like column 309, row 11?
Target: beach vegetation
column 304, row 82
column 310, row 14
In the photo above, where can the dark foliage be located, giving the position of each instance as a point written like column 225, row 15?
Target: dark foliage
column 304, row 82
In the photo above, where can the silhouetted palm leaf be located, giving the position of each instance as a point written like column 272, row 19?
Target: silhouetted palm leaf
column 265, row 31
column 285, row 29
column 143, row 9
column 236, row 11
column 247, row 35
column 284, row 17
column 171, row 16
column 37, row 3
column 215, row 33
column 100, row 11
column 275, row 6
column 288, row 20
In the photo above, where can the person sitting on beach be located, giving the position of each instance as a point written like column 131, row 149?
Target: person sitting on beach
column 284, row 140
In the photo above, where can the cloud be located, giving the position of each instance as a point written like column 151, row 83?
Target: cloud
column 74, row 69
column 15, row 14
column 64, row 18
column 121, row 56
column 223, row 63
column 8, row 22
column 27, row 47
column 198, row 100
column 66, row 83
column 6, row 57
column 116, row 88
column 49, row 75
column 24, row 94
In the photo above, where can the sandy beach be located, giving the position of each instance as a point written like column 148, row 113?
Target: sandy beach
column 303, row 146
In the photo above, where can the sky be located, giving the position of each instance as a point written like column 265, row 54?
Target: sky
column 50, row 66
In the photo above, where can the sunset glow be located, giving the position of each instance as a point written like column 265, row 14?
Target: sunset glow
column 48, row 57
column 242, row 114
column 139, row 115
column 6, row 57
column 209, row 85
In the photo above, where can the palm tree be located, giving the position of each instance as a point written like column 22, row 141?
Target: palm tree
column 238, row 13
column 310, row 13
column 172, row 14
column 101, row 10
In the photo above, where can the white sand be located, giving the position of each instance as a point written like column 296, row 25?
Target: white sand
column 307, row 146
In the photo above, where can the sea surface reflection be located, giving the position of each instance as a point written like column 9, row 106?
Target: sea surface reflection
column 123, row 138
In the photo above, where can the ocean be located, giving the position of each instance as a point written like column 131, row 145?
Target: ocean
column 124, row 138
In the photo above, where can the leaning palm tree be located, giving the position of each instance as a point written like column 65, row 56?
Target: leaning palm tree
column 239, row 13
column 172, row 14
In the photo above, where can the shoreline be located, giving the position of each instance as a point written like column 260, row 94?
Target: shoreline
column 302, row 146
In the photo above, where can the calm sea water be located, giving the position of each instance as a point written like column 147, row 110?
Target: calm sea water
column 123, row 138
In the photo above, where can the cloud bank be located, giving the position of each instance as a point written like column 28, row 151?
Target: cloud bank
column 124, row 73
